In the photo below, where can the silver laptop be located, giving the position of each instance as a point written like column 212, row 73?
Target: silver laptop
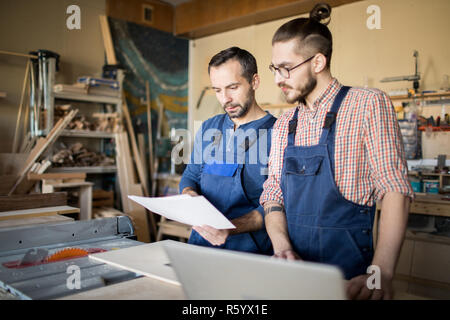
column 218, row 274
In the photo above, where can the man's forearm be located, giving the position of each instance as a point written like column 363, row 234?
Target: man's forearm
column 276, row 226
column 391, row 232
column 249, row 222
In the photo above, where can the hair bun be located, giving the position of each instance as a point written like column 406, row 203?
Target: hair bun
column 321, row 13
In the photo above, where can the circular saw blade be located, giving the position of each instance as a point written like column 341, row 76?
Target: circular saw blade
column 67, row 254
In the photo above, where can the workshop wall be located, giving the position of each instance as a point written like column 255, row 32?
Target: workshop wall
column 360, row 56
column 31, row 25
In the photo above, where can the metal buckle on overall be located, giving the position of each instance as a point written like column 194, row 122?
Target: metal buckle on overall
column 329, row 120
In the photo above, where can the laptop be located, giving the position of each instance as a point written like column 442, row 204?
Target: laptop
column 219, row 274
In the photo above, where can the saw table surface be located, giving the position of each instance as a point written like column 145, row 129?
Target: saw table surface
column 49, row 280
column 147, row 259
column 144, row 288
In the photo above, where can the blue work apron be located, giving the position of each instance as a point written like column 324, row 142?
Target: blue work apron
column 324, row 226
column 222, row 185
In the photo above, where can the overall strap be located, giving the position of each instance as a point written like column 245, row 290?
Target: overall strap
column 292, row 128
column 330, row 118
column 217, row 137
column 265, row 126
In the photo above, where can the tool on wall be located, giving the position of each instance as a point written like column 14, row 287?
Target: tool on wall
column 415, row 78
column 201, row 96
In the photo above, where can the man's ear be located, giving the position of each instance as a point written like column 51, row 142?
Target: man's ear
column 255, row 81
column 319, row 63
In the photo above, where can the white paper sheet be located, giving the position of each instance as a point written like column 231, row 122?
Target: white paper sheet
column 194, row 211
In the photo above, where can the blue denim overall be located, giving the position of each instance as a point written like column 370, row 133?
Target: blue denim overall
column 221, row 184
column 323, row 226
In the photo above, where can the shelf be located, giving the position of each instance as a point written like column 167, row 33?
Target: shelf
column 86, row 97
column 278, row 106
column 435, row 129
column 424, row 236
column 422, row 96
column 424, row 173
column 108, row 169
column 87, row 134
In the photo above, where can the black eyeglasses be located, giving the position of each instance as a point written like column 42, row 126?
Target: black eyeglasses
column 286, row 72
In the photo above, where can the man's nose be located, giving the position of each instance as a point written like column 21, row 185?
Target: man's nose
column 279, row 79
column 226, row 98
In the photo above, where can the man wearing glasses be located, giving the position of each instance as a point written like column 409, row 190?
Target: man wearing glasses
column 332, row 157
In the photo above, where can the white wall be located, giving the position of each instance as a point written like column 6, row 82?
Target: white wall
column 358, row 53
column 27, row 25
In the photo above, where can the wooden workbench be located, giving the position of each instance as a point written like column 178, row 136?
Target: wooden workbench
column 430, row 204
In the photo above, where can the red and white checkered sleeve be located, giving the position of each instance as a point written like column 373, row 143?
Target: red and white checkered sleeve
column 384, row 146
column 272, row 189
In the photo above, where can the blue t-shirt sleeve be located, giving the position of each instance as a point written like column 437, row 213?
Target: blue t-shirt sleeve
column 193, row 170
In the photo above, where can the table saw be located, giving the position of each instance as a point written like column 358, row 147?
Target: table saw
column 35, row 260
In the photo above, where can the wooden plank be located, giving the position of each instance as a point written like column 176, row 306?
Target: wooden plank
column 198, row 18
column 70, row 184
column 21, row 107
column 107, row 40
column 39, row 212
column 421, row 96
column 105, row 212
column 139, row 215
column 33, row 221
column 141, row 145
column 143, row 288
column 18, row 54
column 139, row 165
column 32, row 201
column 150, row 136
column 136, row 153
column 42, row 145
column 127, row 186
column 125, row 173
column 427, row 208
column 133, row 11
column 56, row 175
column 150, row 260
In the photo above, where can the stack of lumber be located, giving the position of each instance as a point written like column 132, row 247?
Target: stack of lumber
column 58, row 177
column 107, row 122
column 103, row 122
column 16, row 166
column 78, row 156
column 81, row 88
column 22, row 210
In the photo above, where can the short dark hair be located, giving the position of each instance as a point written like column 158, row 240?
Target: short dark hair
column 245, row 58
column 313, row 36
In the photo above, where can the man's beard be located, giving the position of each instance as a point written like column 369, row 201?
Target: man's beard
column 304, row 91
column 243, row 109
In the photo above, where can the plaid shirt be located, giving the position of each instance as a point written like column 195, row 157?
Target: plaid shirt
column 369, row 155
